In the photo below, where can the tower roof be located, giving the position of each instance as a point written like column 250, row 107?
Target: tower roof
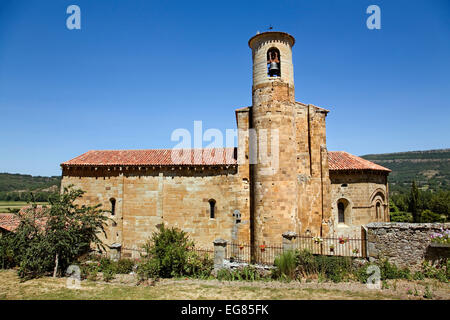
column 271, row 34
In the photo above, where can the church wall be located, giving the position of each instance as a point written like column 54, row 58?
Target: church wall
column 360, row 191
column 178, row 198
column 312, row 170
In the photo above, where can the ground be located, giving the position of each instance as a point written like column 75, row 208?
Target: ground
column 193, row 289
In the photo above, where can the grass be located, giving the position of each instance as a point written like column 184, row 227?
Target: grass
column 4, row 205
column 191, row 289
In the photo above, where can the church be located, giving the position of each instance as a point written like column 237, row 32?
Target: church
column 279, row 178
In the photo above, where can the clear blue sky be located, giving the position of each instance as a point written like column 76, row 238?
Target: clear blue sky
column 137, row 70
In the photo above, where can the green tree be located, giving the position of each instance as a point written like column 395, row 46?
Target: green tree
column 413, row 201
column 53, row 237
column 429, row 216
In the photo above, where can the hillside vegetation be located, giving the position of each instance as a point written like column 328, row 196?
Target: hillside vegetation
column 430, row 169
column 17, row 187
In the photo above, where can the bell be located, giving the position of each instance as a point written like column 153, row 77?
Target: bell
column 273, row 69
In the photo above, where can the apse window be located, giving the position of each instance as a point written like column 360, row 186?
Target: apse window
column 273, row 63
column 341, row 212
column 212, row 208
column 378, row 210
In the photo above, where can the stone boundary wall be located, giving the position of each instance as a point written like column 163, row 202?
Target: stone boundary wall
column 404, row 244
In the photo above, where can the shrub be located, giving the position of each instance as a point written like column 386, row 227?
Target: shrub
column 391, row 271
column 169, row 254
column 124, row 266
column 199, row 266
column 285, row 264
column 247, row 273
column 332, row 268
column 148, row 268
column 7, row 259
column 170, row 248
column 108, row 274
column 51, row 238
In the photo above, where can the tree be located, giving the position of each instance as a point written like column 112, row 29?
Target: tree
column 413, row 201
column 429, row 216
column 53, row 237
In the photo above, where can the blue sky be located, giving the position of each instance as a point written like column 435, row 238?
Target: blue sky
column 138, row 70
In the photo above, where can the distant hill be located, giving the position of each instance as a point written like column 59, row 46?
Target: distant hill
column 430, row 169
column 17, row 187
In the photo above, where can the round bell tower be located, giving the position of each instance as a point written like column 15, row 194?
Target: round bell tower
column 274, row 174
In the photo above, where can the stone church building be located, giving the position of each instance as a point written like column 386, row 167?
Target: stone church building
column 225, row 193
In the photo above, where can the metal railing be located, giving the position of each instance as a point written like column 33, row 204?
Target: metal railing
column 259, row 254
column 341, row 246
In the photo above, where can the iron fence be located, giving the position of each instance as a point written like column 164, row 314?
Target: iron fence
column 259, row 254
column 342, row 246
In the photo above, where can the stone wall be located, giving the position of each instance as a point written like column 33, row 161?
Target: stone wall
column 176, row 196
column 404, row 244
column 360, row 191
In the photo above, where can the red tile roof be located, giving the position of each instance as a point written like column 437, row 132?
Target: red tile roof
column 10, row 221
column 341, row 160
column 338, row 160
column 218, row 156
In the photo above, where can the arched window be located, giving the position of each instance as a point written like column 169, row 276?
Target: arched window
column 378, row 210
column 212, row 208
column 341, row 212
column 273, row 63
column 113, row 206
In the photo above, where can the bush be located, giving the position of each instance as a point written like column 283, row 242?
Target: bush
column 247, row 273
column 7, row 259
column 199, row 266
column 332, row 268
column 49, row 239
column 148, row 268
column 124, row 266
column 169, row 253
column 108, row 274
column 391, row 271
column 285, row 264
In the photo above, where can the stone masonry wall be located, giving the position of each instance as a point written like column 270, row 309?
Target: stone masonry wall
column 177, row 197
column 360, row 191
column 404, row 244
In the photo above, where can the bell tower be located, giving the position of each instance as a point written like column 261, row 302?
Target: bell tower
column 274, row 174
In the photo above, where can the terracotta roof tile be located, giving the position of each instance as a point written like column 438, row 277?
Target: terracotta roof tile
column 10, row 221
column 338, row 160
column 341, row 160
column 218, row 156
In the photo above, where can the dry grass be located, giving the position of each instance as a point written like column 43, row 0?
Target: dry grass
column 174, row 289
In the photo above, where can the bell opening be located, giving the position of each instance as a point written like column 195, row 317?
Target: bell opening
column 273, row 63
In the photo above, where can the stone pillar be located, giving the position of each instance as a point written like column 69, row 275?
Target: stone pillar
column 220, row 247
column 114, row 253
column 289, row 240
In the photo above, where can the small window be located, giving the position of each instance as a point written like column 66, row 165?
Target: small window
column 212, row 208
column 113, row 206
column 344, row 185
column 378, row 210
column 341, row 213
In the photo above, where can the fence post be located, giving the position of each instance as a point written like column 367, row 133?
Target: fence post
column 288, row 240
column 220, row 247
column 114, row 253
